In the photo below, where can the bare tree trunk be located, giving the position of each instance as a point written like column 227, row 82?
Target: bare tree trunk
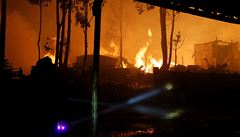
column 85, row 34
column 68, row 35
column 175, row 56
column 121, row 66
column 40, row 30
column 63, row 34
column 171, row 39
column 164, row 38
column 58, row 34
column 3, row 35
column 97, row 9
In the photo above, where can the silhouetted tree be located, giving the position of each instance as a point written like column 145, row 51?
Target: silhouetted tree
column 7, row 70
column 63, row 42
column 141, row 8
column 174, row 15
column 63, row 6
column 58, row 32
column 69, row 5
column 41, row 4
column 3, row 36
column 81, row 18
column 121, row 42
column 121, row 31
column 164, row 38
column 178, row 42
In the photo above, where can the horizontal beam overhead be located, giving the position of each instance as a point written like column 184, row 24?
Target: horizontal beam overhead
column 227, row 11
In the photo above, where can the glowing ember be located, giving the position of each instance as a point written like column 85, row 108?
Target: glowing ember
column 124, row 65
column 51, row 56
column 149, row 33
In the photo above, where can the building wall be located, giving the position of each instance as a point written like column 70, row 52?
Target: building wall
column 218, row 54
column 204, row 55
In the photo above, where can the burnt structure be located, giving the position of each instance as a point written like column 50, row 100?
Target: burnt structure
column 106, row 62
column 218, row 54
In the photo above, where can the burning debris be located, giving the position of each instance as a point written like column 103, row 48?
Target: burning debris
column 145, row 62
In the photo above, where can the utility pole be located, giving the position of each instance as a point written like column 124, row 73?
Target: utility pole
column 97, row 11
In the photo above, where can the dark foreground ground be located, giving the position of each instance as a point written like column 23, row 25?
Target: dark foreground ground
column 198, row 105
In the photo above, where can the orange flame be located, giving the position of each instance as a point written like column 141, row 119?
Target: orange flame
column 115, row 52
column 124, row 65
column 146, row 63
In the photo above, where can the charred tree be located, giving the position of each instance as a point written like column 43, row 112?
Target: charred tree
column 3, row 35
column 81, row 18
column 174, row 14
column 62, row 44
column 58, row 33
column 121, row 42
column 41, row 4
column 85, row 33
column 68, row 35
column 164, row 38
column 40, row 31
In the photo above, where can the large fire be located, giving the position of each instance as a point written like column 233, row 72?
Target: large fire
column 115, row 54
column 144, row 62
column 147, row 62
column 51, row 42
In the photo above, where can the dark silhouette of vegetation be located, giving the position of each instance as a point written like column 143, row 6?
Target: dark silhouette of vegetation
column 8, row 72
column 163, row 12
column 41, row 4
column 58, row 32
column 164, row 38
column 3, row 36
column 174, row 15
column 81, row 18
column 68, row 34
column 62, row 43
column 178, row 42
column 121, row 42
column 44, row 69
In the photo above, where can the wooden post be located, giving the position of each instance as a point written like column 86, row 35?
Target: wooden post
column 97, row 6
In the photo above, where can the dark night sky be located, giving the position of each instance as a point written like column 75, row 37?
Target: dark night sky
column 22, row 32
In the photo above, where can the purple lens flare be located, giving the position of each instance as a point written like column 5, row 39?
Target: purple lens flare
column 62, row 127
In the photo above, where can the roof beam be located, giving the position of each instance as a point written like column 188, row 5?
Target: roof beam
column 226, row 12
